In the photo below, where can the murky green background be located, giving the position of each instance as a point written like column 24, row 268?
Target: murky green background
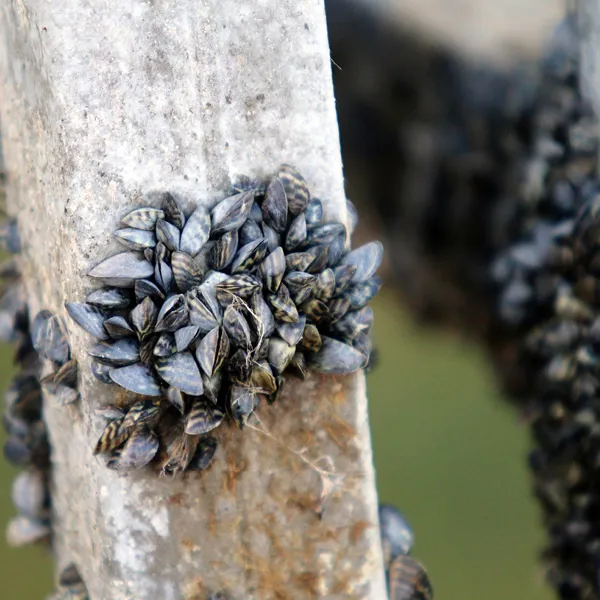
column 448, row 452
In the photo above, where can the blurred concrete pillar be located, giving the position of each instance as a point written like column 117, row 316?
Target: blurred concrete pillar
column 499, row 31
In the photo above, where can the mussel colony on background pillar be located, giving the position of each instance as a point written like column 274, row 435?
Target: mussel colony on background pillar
column 549, row 290
column 547, row 295
column 503, row 208
column 44, row 361
column 26, row 443
column 545, row 287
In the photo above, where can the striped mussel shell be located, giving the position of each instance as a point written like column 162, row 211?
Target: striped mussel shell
column 406, row 578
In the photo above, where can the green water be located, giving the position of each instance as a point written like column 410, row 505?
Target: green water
column 448, row 452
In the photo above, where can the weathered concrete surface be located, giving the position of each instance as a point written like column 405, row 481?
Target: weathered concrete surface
column 102, row 102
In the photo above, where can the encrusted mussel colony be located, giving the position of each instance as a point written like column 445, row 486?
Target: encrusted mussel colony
column 206, row 312
column 406, row 577
column 547, row 286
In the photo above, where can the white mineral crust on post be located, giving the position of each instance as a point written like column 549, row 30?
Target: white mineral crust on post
column 102, row 102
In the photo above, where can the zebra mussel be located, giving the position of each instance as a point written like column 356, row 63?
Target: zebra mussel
column 70, row 585
column 406, row 577
column 207, row 312
column 49, row 339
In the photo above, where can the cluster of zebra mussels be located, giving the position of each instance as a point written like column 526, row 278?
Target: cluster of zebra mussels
column 26, row 444
column 205, row 312
column 406, row 577
column 548, row 286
